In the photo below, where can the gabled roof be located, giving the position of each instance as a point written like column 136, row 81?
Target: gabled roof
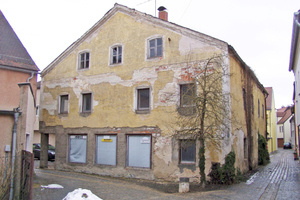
column 13, row 54
column 139, row 16
column 286, row 114
column 157, row 22
column 269, row 98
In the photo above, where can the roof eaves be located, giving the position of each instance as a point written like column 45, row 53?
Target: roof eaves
column 295, row 38
column 252, row 74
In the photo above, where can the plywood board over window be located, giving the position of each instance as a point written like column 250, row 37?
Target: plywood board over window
column 139, row 151
column 106, row 150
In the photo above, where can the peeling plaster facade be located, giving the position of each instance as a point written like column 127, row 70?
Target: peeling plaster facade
column 114, row 96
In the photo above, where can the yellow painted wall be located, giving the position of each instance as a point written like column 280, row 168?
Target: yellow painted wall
column 114, row 87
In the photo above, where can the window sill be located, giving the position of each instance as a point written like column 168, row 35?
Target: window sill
column 85, row 114
column 115, row 64
column 139, row 168
column 142, row 111
column 63, row 114
column 155, row 58
column 186, row 110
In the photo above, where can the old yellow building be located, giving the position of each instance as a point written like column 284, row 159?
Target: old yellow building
column 271, row 121
column 112, row 96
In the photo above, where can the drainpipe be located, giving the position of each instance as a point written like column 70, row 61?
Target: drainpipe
column 13, row 152
column 32, row 73
column 296, row 16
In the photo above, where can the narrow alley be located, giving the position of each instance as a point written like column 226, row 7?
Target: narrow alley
column 278, row 180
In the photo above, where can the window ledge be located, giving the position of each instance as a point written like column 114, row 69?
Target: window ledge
column 142, row 111
column 63, row 114
column 139, row 168
column 85, row 114
column 115, row 64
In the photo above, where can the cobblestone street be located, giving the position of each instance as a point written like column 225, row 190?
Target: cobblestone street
column 278, row 180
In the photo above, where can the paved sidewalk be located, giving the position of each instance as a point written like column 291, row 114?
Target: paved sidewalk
column 278, row 180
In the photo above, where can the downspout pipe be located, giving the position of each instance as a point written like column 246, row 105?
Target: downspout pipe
column 32, row 73
column 296, row 16
column 13, row 152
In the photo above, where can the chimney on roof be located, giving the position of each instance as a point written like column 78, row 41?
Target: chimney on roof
column 162, row 14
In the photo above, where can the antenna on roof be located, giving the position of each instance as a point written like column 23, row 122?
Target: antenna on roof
column 147, row 2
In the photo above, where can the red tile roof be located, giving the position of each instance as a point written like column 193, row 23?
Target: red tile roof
column 285, row 115
column 12, row 52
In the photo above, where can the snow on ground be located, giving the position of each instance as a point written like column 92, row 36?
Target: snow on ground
column 52, row 186
column 251, row 180
column 81, row 194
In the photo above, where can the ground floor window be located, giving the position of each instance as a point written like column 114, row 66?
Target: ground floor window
column 187, row 151
column 138, row 151
column 77, row 148
column 106, row 149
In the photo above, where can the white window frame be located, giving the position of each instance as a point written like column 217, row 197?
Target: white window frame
column 79, row 60
column 148, row 47
column 81, row 107
column 59, row 104
column 111, row 54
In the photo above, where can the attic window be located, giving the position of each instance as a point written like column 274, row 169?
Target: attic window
column 84, row 60
column 116, row 55
column 155, row 47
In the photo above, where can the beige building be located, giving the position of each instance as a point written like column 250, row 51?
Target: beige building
column 271, row 121
column 111, row 99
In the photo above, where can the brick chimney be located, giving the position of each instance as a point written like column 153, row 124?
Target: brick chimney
column 162, row 14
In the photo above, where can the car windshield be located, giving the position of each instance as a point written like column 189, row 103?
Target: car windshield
column 51, row 147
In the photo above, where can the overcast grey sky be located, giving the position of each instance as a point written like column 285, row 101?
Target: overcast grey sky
column 259, row 30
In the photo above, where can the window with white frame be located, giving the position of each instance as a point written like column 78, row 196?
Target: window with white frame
column 63, row 104
column 87, row 102
column 106, row 149
column 116, row 55
column 155, row 47
column 84, row 60
column 143, row 99
column 139, row 151
column 77, row 148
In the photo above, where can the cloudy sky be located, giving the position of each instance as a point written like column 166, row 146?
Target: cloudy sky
column 259, row 30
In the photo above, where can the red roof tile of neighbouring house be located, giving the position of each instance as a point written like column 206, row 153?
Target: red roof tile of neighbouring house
column 12, row 52
column 285, row 113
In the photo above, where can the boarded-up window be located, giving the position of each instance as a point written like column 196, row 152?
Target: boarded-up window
column 138, row 151
column 77, row 148
column 106, row 152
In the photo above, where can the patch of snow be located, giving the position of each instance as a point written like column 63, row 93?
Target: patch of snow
column 52, row 186
column 81, row 194
column 251, row 180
